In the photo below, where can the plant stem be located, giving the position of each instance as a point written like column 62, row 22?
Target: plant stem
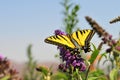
column 87, row 73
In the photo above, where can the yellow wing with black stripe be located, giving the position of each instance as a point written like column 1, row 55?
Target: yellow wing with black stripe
column 83, row 37
column 63, row 40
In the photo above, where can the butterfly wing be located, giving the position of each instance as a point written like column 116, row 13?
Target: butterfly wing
column 62, row 40
column 83, row 37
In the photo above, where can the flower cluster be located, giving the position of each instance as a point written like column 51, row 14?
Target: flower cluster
column 69, row 59
column 107, row 39
column 5, row 70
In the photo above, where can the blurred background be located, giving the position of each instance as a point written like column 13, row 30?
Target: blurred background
column 24, row 22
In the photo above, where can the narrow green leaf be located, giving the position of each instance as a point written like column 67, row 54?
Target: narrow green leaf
column 93, row 56
column 94, row 46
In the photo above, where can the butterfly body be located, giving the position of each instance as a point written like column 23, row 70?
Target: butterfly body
column 78, row 39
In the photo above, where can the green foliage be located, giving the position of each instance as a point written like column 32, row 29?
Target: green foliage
column 77, row 75
column 44, row 70
column 30, row 72
column 70, row 15
column 60, row 76
column 97, row 75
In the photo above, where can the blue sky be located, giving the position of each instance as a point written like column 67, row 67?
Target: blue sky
column 24, row 22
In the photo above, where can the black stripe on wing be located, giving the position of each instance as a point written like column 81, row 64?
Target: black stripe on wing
column 89, row 37
column 87, row 41
column 59, row 41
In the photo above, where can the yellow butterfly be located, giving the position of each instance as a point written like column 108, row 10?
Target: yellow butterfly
column 78, row 39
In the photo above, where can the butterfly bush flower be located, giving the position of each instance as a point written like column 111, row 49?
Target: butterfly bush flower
column 59, row 32
column 106, row 37
column 69, row 59
column 7, row 70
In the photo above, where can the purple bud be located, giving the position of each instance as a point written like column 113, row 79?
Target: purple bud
column 61, row 66
column 113, row 42
column 110, row 37
column 83, row 66
column 59, row 32
column 74, row 63
column 104, row 40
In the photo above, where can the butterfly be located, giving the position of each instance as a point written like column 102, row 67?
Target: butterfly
column 78, row 39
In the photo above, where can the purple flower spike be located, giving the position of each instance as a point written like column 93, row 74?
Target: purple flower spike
column 69, row 59
column 59, row 32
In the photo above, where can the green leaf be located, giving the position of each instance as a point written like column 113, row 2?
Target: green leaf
column 43, row 70
column 76, row 8
column 113, row 74
column 94, row 54
column 94, row 47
